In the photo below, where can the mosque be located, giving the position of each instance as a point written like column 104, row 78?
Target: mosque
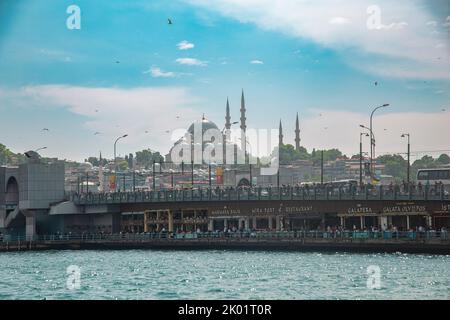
column 187, row 142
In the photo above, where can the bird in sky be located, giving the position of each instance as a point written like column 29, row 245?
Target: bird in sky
column 96, row 133
column 443, row 110
column 178, row 117
column 376, row 83
column 45, row 129
column 146, row 131
column 169, row 21
column 167, row 131
column 96, row 110
column 117, row 61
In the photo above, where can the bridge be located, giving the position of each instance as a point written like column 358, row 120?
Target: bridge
column 33, row 203
column 275, row 208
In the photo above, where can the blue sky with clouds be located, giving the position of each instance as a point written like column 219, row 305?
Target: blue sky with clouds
column 127, row 71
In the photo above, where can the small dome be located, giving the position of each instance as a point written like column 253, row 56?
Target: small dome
column 86, row 166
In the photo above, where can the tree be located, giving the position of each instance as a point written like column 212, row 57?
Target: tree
column 123, row 165
column 146, row 157
column 93, row 160
column 9, row 157
column 130, row 161
column 443, row 159
column 394, row 165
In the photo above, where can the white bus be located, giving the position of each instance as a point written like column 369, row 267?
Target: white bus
column 431, row 176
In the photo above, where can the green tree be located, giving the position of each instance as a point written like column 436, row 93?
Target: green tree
column 146, row 157
column 443, row 159
column 9, row 157
column 130, row 161
column 93, row 160
column 394, row 165
column 123, row 165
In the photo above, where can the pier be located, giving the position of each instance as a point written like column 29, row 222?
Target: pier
column 347, row 241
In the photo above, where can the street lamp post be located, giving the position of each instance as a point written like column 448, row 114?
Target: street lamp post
column 40, row 149
column 361, row 134
column 115, row 160
column 372, row 139
column 409, row 154
column 321, row 167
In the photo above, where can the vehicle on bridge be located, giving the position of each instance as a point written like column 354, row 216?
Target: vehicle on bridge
column 435, row 175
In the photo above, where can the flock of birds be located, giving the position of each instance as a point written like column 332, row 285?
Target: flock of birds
column 170, row 22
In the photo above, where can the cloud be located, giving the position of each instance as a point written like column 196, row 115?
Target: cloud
column 158, row 73
column 257, row 62
column 60, row 55
column 184, row 45
column 191, row 62
column 339, row 20
column 119, row 110
column 399, row 36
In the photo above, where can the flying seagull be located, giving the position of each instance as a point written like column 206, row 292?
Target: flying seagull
column 45, row 129
column 169, row 21
column 168, row 131
column 96, row 133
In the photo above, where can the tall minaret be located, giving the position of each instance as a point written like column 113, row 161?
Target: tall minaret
column 226, row 135
column 243, row 125
column 297, row 134
column 280, row 135
column 227, row 117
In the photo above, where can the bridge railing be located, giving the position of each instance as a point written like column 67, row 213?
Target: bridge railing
column 319, row 192
column 256, row 235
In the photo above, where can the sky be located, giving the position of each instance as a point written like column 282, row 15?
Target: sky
column 120, row 68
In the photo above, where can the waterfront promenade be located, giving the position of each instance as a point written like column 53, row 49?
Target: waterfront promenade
column 431, row 242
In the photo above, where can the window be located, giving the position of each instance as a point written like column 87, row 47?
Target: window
column 423, row 175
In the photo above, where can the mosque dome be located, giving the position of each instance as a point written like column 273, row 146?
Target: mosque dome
column 205, row 125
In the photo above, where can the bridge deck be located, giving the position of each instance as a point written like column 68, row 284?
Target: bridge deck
column 253, row 194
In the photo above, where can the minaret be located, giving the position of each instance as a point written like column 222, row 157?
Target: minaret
column 226, row 135
column 280, row 135
column 297, row 134
column 227, row 117
column 243, row 118
column 243, row 125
